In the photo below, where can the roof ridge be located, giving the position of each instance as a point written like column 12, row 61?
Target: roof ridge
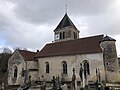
column 77, row 39
column 92, row 36
column 26, row 51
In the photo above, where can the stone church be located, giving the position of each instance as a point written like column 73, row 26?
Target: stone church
column 90, row 59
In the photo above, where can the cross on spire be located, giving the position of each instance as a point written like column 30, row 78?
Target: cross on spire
column 66, row 6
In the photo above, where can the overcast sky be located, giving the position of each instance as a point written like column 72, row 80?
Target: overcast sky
column 30, row 23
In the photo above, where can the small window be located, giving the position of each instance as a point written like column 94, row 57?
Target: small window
column 47, row 67
column 15, row 72
column 63, row 35
column 64, row 65
column 106, row 63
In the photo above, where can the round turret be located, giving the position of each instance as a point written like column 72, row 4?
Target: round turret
column 110, row 59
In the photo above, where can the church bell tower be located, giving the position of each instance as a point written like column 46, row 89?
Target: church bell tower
column 65, row 30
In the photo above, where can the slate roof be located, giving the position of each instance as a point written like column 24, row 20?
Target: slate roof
column 27, row 55
column 107, row 38
column 80, row 46
column 66, row 21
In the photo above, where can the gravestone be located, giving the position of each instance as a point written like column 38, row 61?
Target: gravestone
column 74, row 82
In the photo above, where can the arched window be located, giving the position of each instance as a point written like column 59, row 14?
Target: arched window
column 47, row 67
column 86, row 67
column 64, row 65
column 15, row 72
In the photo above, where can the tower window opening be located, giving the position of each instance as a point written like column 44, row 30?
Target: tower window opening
column 75, row 35
column 63, row 35
column 60, row 35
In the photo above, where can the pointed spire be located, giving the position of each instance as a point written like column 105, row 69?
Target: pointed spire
column 65, row 22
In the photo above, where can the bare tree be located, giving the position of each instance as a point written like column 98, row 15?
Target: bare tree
column 4, row 56
column 5, row 50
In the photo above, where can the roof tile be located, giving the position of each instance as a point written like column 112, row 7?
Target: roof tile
column 71, row 47
column 65, row 22
column 27, row 55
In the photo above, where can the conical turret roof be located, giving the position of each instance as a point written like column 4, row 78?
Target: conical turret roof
column 65, row 22
column 107, row 38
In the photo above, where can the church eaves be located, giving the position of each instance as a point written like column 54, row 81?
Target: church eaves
column 66, row 21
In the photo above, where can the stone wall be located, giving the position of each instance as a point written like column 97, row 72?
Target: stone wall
column 15, row 61
column 69, row 34
column 73, row 61
column 32, row 69
column 110, row 61
column 32, row 64
column 24, row 69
